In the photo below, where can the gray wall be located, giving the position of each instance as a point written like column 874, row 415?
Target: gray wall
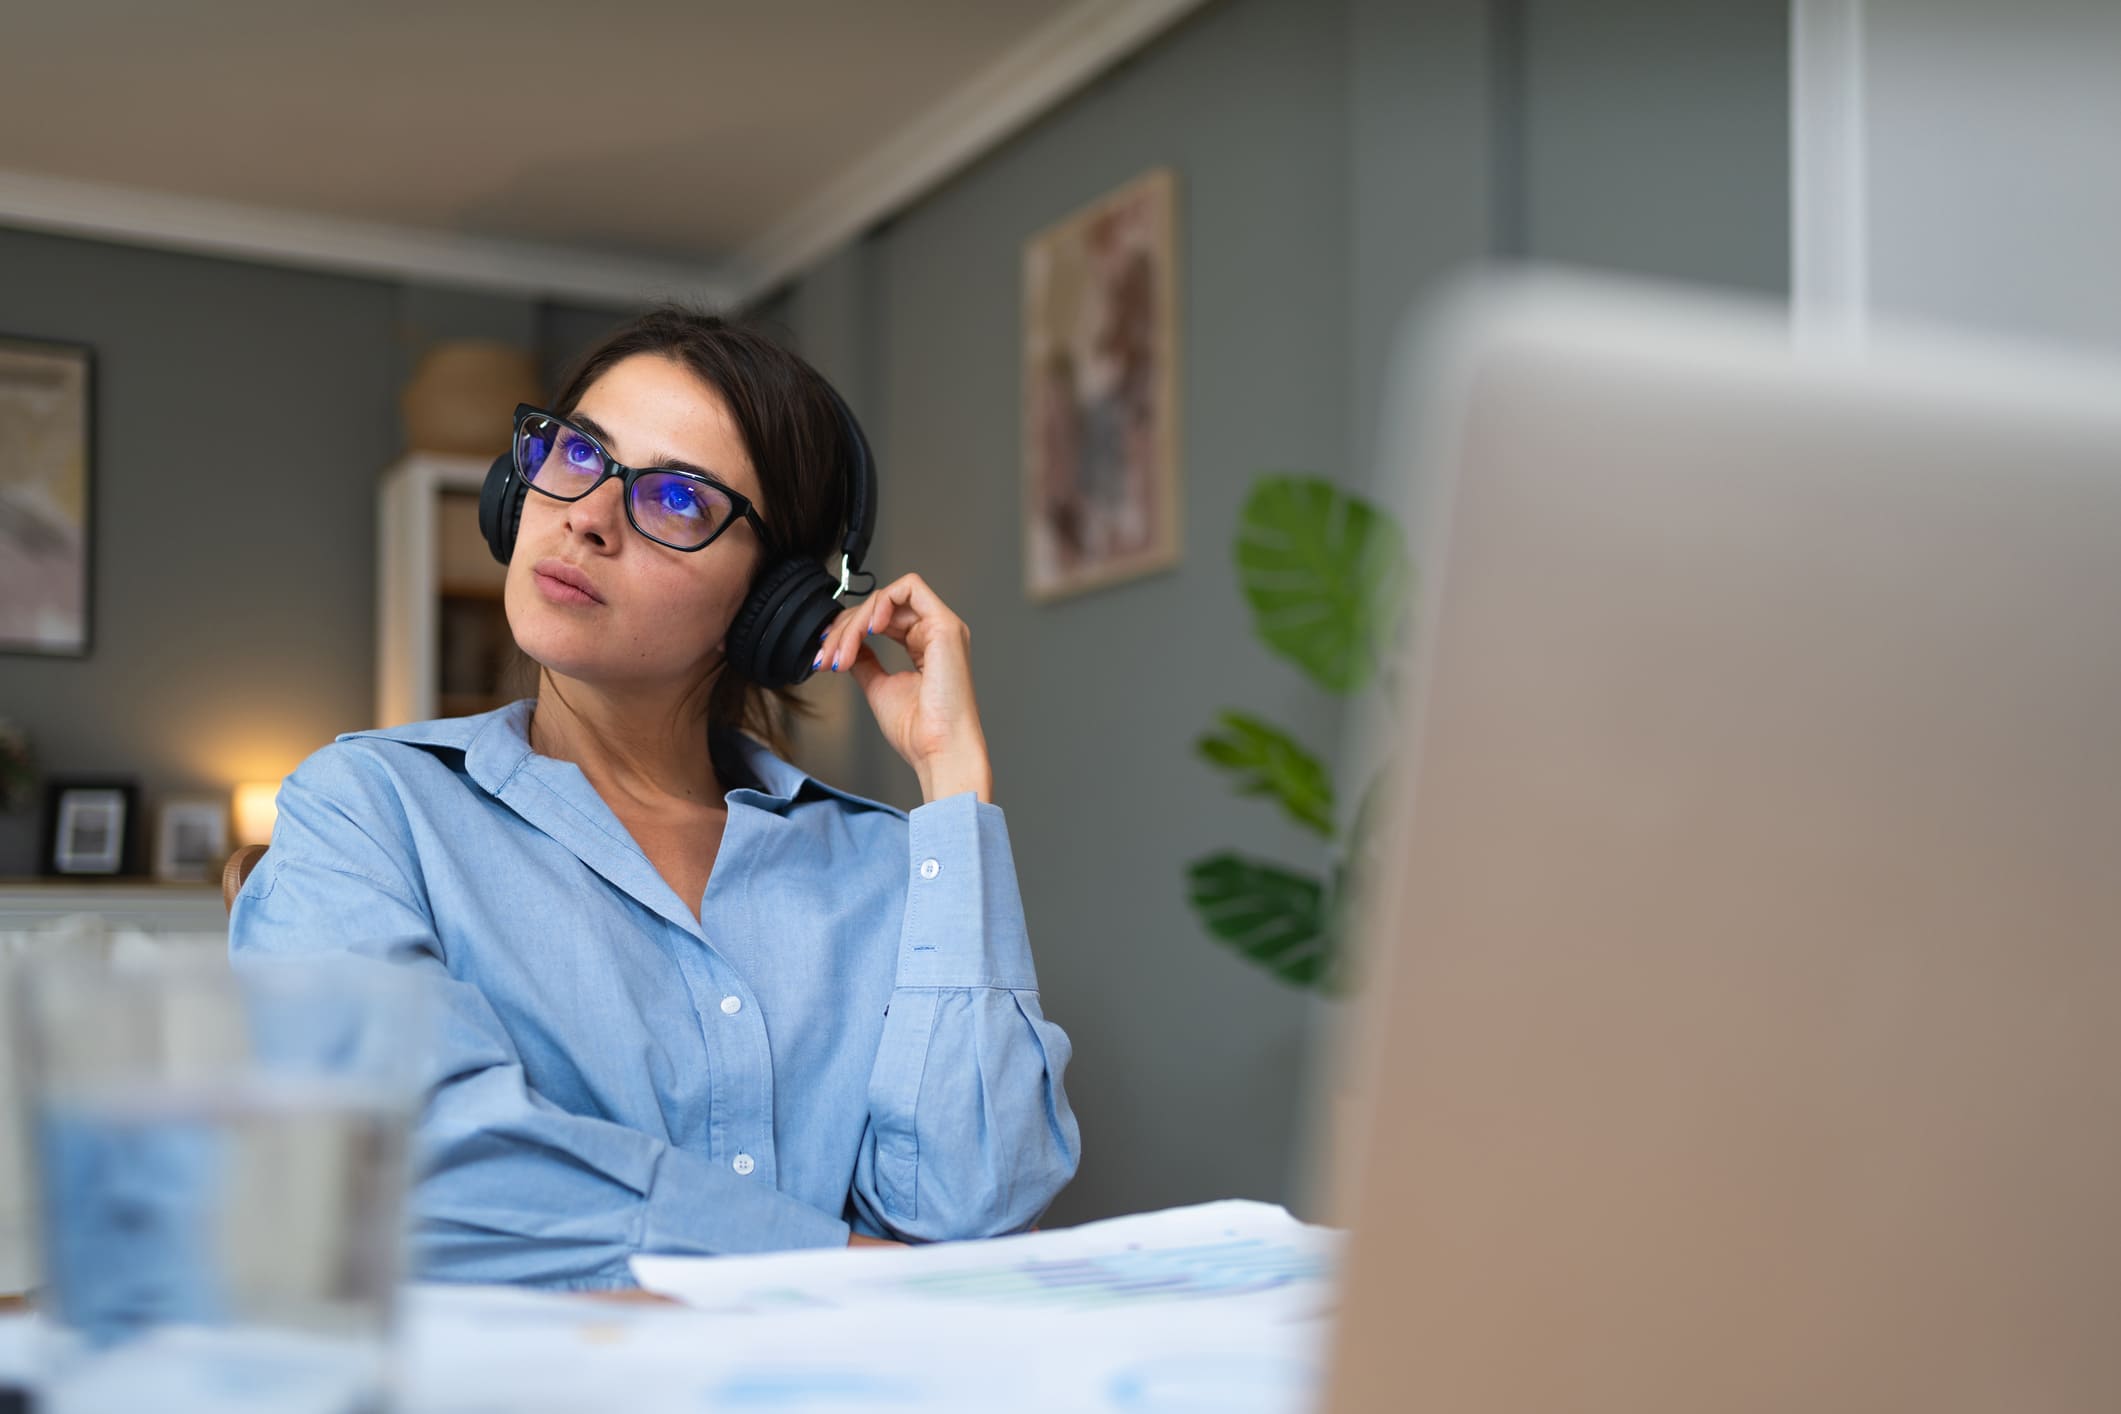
column 562, row 331
column 1648, row 136
column 1989, row 171
column 1424, row 110
column 1188, row 1061
column 242, row 416
column 1333, row 160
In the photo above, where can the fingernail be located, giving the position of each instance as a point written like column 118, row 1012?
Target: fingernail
column 817, row 662
column 825, row 635
column 872, row 633
column 835, row 665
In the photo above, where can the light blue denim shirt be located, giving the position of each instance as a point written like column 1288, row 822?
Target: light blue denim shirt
column 849, row 1033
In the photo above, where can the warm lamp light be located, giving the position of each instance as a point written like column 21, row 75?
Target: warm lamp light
column 257, row 807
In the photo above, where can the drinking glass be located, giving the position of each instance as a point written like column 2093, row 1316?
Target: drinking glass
column 221, row 1165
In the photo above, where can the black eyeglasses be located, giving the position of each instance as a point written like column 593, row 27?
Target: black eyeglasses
column 684, row 510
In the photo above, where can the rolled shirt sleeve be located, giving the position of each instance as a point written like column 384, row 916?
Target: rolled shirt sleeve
column 970, row 1131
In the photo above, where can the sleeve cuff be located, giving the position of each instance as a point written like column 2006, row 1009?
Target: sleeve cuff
column 964, row 915
column 694, row 1207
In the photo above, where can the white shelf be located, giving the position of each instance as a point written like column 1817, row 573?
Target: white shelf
column 30, row 904
column 408, row 579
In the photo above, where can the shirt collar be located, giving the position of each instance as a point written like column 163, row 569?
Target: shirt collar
column 496, row 745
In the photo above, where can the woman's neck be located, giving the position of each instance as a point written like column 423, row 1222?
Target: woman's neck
column 640, row 747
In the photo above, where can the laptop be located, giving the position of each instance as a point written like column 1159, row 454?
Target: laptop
column 1745, row 985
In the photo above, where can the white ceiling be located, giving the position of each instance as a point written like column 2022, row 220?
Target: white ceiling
column 611, row 149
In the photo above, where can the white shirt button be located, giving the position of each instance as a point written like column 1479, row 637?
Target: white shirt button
column 930, row 868
column 742, row 1163
column 732, row 1005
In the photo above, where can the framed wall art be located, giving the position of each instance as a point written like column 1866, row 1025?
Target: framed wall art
column 1100, row 403
column 46, row 470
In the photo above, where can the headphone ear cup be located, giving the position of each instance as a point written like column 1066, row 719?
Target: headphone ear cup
column 774, row 637
column 501, row 507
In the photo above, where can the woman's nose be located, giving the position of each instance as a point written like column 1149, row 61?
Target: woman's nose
column 597, row 517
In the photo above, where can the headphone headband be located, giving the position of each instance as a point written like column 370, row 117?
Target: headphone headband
column 861, row 490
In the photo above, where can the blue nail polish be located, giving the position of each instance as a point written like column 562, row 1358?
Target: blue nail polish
column 835, row 665
column 817, row 662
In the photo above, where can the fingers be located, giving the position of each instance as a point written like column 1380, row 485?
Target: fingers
column 895, row 611
column 891, row 622
column 906, row 601
column 912, row 592
column 909, row 612
column 836, row 647
column 866, row 666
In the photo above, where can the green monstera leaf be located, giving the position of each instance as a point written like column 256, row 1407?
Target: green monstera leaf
column 1324, row 573
column 1267, row 761
column 1271, row 915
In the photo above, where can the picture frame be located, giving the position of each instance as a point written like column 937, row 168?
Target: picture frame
column 47, row 484
column 91, row 827
column 1101, row 477
column 191, row 839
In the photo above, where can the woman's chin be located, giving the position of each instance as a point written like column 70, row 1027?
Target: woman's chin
column 561, row 641
column 581, row 656
column 604, row 663
column 589, row 648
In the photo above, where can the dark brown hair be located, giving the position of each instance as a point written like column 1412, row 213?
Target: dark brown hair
column 792, row 431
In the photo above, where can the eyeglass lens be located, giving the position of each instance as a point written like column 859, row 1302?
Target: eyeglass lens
column 680, row 510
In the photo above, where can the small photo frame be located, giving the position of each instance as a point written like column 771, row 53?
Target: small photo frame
column 90, row 827
column 191, row 839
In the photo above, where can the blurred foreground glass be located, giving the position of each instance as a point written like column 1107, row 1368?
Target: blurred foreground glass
column 221, row 1166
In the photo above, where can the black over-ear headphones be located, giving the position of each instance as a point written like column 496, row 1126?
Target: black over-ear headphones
column 774, row 637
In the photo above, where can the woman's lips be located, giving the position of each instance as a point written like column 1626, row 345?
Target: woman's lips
column 562, row 583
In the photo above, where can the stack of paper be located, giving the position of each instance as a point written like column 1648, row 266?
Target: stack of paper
column 1216, row 1308
column 1219, row 1308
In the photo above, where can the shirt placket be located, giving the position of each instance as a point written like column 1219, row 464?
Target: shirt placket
column 732, row 1023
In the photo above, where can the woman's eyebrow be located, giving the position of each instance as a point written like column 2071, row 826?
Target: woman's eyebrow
column 597, row 430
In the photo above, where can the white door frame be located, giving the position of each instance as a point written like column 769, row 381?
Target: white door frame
column 1829, row 171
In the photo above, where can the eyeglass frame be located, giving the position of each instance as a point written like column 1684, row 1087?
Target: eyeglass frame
column 627, row 476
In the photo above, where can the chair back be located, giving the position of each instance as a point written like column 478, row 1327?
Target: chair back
column 237, row 870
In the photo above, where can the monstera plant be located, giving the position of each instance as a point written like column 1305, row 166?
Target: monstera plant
column 1325, row 574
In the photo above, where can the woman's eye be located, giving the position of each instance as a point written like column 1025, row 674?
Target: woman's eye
column 580, row 453
column 680, row 500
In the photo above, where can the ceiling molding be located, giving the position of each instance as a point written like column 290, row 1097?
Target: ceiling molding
column 1050, row 64
column 137, row 216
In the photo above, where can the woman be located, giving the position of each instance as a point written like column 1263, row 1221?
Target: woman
column 695, row 1001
